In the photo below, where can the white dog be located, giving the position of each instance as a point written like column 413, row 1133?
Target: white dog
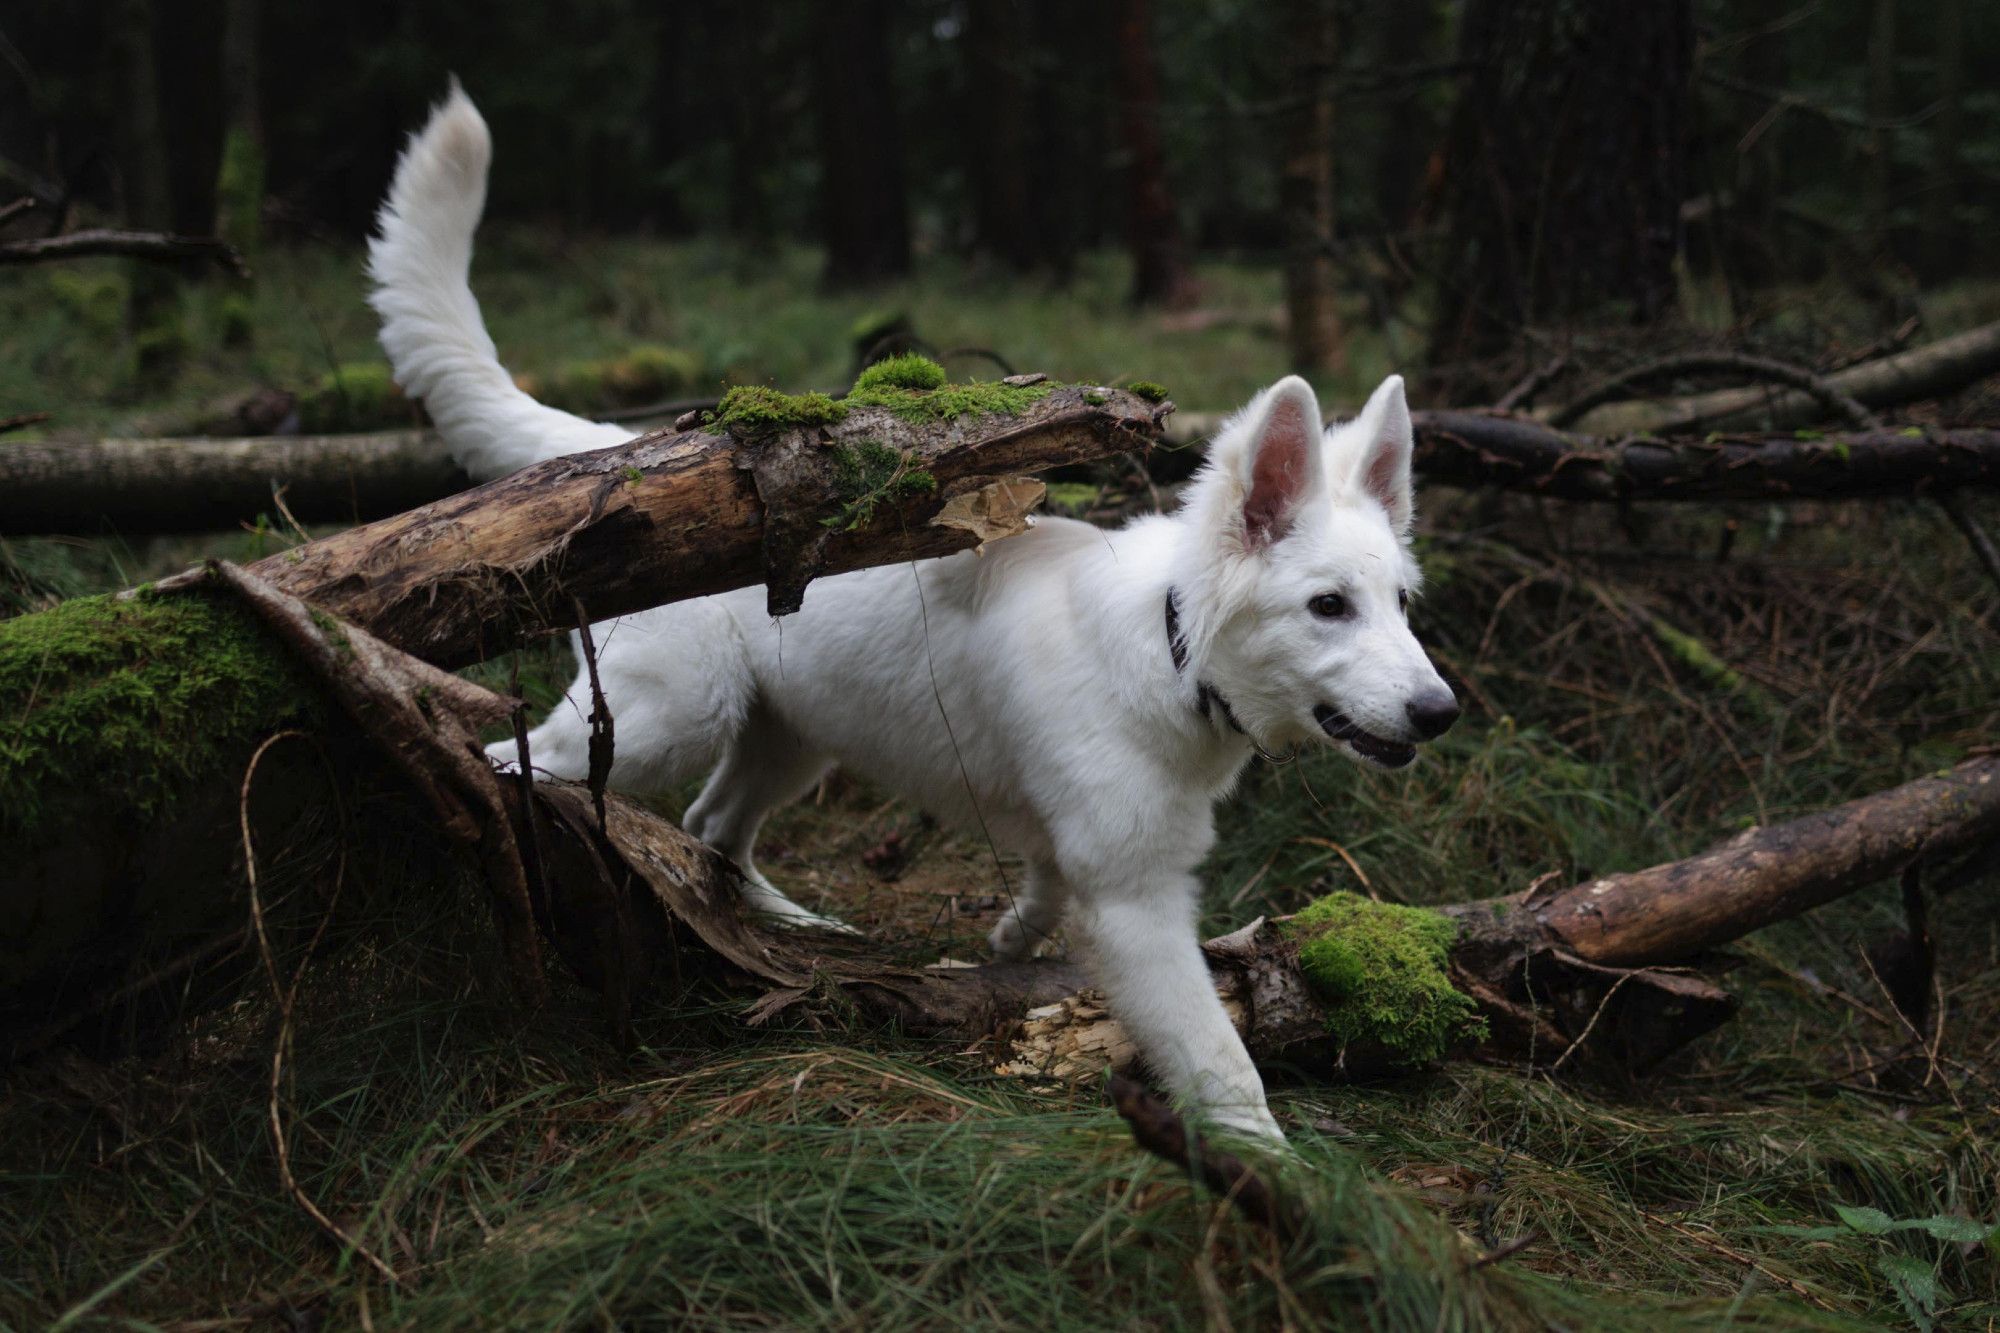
column 1085, row 696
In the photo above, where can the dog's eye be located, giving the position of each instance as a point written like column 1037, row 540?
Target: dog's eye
column 1328, row 606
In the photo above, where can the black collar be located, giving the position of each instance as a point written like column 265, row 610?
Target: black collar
column 1207, row 699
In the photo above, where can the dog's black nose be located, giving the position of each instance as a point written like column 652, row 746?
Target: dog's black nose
column 1432, row 714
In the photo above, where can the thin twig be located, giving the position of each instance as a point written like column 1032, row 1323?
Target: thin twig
column 1975, row 536
column 602, row 740
column 285, row 997
column 1532, row 383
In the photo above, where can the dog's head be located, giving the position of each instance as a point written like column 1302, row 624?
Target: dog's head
column 1298, row 582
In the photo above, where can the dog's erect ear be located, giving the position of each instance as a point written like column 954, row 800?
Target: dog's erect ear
column 1382, row 460
column 1282, row 460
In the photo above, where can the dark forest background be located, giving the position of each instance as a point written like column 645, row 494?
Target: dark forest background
column 1472, row 168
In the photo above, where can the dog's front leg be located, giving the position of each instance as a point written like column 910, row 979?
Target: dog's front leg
column 1148, row 958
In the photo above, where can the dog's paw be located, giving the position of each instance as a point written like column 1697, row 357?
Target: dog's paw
column 1252, row 1126
column 775, row 909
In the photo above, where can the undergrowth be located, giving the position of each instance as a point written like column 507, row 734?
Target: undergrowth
column 517, row 1168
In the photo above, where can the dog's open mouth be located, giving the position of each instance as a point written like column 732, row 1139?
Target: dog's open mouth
column 1373, row 748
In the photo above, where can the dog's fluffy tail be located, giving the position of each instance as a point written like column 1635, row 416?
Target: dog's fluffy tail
column 437, row 343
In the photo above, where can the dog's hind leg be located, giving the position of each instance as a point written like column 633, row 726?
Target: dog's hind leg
column 766, row 766
column 1032, row 915
column 678, row 689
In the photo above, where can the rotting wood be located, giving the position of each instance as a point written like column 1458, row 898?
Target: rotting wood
column 678, row 514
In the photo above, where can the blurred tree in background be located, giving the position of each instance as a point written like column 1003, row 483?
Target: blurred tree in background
column 1467, row 168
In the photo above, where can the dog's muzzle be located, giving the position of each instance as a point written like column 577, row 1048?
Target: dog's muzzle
column 1375, row 749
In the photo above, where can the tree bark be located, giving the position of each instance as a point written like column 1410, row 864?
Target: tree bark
column 239, row 187
column 1947, row 235
column 1159, row 256
column 1305, row 186
column 159, row 247
column 679, row 514
column 155, row 486
column 153, row 308
column 213, row 485
column 864, row 211
column 1930, row 371
column 1000, row 113
column 1881, row 110
column 1566, row 168
column 1467, row 449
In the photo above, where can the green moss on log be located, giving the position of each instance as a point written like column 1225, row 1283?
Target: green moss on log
column 868, row 472
column 751, row 410
column 1380, row 970
column 1148, row 390
column 919, row 374
column 914, row 389
column 110, row 706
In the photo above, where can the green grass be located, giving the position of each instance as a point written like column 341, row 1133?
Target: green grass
column 517, row 1169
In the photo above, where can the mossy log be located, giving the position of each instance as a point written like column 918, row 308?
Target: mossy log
column 685, row 513
column 1598, row 972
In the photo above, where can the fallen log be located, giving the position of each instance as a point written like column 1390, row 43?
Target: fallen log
column 212, row 485
column 1473, row 449
column 1930, row 371
column 1599, row 971
column 197, row 485
column 687, row 513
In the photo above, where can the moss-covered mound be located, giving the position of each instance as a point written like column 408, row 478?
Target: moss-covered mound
column 108, row 706
column 914, row 388
column 750, row 410
column 1380, row 969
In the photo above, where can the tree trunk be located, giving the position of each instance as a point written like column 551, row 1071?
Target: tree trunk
column 1947, row 236
column 1159, row 258
column 153, row 313
column 1566, row 169
column 999, row 112
column 1881, row 109
column 239, row 188
column 1305, row 186
column 865, row 212
column 739, row 34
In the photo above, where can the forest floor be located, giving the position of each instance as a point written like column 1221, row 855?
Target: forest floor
column 1806, row 1166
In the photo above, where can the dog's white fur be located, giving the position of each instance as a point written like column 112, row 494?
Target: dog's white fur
column 1030, row 689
